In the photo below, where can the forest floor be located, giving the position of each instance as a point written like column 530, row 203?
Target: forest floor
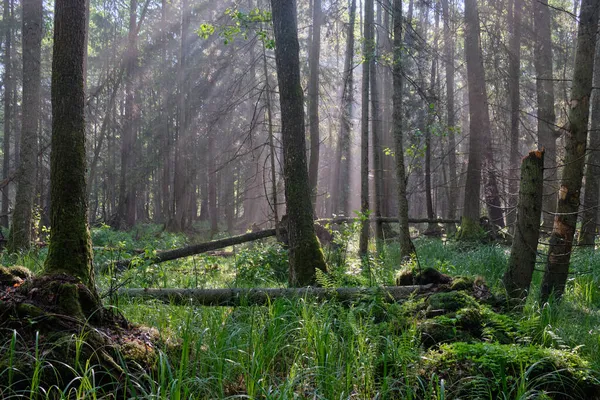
column 461, row 342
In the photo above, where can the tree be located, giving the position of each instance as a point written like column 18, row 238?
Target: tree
column 305, row 254
column 70, row 250
column 545, row 109
column 364, row 128
column 406, row 247
column 341, row 174
column 313, row 99
column 8, row 95
column 589, row 222
column 565, row 221
column 478, row 112
column 22, row 226
column 514, row 56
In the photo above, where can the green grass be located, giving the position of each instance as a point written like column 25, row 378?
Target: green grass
column 299, row 348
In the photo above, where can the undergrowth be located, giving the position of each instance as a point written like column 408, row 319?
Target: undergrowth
column 300, row 348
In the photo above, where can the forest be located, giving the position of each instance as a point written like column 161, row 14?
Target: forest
column 299, row 199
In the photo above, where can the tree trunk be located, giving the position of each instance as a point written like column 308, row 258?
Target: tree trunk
column 514, row 71
column 376, row 145
column 523, row 253
column 305, row 254
column 126, row 214
column 478, row 114
column 450, row 116
column 406, row 247
column 341, row 174
column 8, row 90
column 70, row 249
column 22, row 226
column 364, row 137
column 241, row 296
column 313, row 100
column 545, row 99
column 212, row 185
column 561, row 240
column 589, row 224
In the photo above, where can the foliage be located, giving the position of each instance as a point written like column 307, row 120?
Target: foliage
column 261, row 264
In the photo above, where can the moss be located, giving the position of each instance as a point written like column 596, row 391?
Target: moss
column 450, row 301
column 470, row 230
column 415, row 276
column 20, row 271
column 462, row 283
column 467, row 366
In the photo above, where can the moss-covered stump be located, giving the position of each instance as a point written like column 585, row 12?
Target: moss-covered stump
column 483, row 370
column 54, row 332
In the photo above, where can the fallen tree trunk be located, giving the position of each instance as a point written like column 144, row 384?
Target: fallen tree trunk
column 238, row 296
column 200, row 248
column 339, row 220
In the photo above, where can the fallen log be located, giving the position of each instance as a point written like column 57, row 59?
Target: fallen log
column 238, row 296
column 187, row 251
column 340, row 220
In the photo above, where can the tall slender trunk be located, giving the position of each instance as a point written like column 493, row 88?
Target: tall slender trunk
column 8, row 90
column 406, row 247
column 271, row 143
column 545, row 108
column 450, row 116
column 305, row 255
column 561, row 240
column 341, row 175
column 364, row 142
column 376, row 144
column 22, row 226
column 313, row 100
column 477, row 124
column 126, row 214
column 514, row 71
column 589, row 224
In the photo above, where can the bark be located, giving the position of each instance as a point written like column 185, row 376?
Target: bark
column 182, row 179
column 341, row 174
column 563, row 231
column 450, row 116
column 70, row 249
column 304, row 251
column 589, row 224
column 127, row 211
column 478, row 114
column 523, row 253
column 313, row 100
column 201, row 248
column 212, row 185
column 239, row 296
column 514, row 71
column 22, row 224
column 364, row 136
column 376, row 145
column 271, row 143
column 545, row 99
column 8, row 90
column 406, row 247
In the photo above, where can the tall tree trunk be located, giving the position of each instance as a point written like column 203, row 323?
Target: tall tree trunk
column 589, row 222
column 341, row 175
column 450, row 116
column 478, row 113
column 271, row 143
column 376, row 145
column 305, row 254
column 406, row 247
column 545, row 99
column 431, row 107
column 8, row 90
column 21, row 232
column 70, row 249
column 514, row 71
column 182, row 179
column 126, row 214
column 561, row 240
column 364, row 137
column 313, row 100
column 212, row 185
